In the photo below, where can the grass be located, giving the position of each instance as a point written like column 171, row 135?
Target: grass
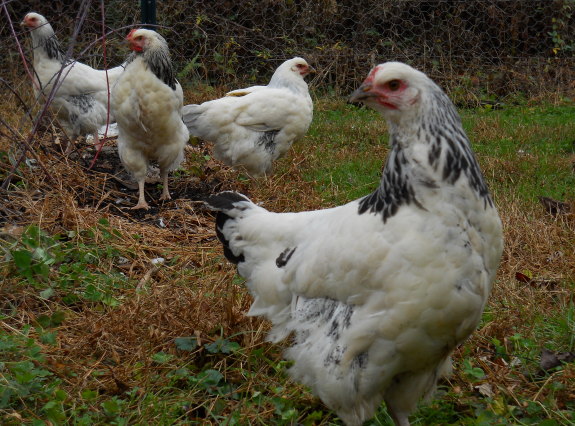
column 109, row 316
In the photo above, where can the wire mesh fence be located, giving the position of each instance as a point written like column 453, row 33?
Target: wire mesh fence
column 476, row 49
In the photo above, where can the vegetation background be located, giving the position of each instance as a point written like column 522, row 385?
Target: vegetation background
column 113, row 316
column 483, row 48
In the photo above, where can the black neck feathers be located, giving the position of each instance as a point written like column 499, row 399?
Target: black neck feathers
column 395, row 188
column 159, row 62
column 52, row 48
column 449, row 156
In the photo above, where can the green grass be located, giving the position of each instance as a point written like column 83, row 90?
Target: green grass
column 351, row 139
column 68, row 285
column 65, row 266
column 535, row 145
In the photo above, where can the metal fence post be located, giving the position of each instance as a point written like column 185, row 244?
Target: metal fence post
column 148, row 13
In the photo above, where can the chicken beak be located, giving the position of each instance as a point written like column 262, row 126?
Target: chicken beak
column 131, row 42
column 362, row 93
column 311, row 70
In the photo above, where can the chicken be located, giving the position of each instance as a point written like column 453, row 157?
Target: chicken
column 81, row 97
column 147, row 102
column 377, row 292
column 255, row 126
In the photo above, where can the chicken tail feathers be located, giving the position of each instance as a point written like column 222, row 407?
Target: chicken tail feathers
column 227, row 205
column 226, row 201
column 221, row 219
column 191, row 117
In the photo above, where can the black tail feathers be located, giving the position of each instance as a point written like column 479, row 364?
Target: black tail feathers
column 224, row 201
column 221, row 219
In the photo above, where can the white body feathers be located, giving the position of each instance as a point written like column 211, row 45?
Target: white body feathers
column 253, row 127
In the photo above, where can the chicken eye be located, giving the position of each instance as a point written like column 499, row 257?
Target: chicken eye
column 394, row 85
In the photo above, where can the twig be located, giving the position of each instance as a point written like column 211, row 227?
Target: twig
column 146, row 277
column 18, row 45
column 101, row 145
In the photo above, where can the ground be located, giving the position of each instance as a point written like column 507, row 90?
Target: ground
column 114, row 316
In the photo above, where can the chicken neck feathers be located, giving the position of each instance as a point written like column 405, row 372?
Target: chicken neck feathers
column 448, row 156
column 51, row 46
column 160, row 64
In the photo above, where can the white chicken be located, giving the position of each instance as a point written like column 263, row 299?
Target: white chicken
column 147, row 102
column 81, row 97
column 380, row 291
column 255, row 126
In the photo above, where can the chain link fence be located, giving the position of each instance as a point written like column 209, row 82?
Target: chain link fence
column 478, row 50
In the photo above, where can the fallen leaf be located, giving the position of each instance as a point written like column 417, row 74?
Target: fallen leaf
column 14, row 415
column 555, row 207
column 551, row 359
column 485, row 389
column 522, row 278
column 550, row 283
column 12, row 230
column 556, row 255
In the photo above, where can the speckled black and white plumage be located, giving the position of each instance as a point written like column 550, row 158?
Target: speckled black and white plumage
column 80, row 101
column 449, row 155
column 159, row 62
column 378, row 292
column 51, row 46
column 253, row 127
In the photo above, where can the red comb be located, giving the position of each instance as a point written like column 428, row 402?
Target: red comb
column 129, row 36
column 371, row 75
